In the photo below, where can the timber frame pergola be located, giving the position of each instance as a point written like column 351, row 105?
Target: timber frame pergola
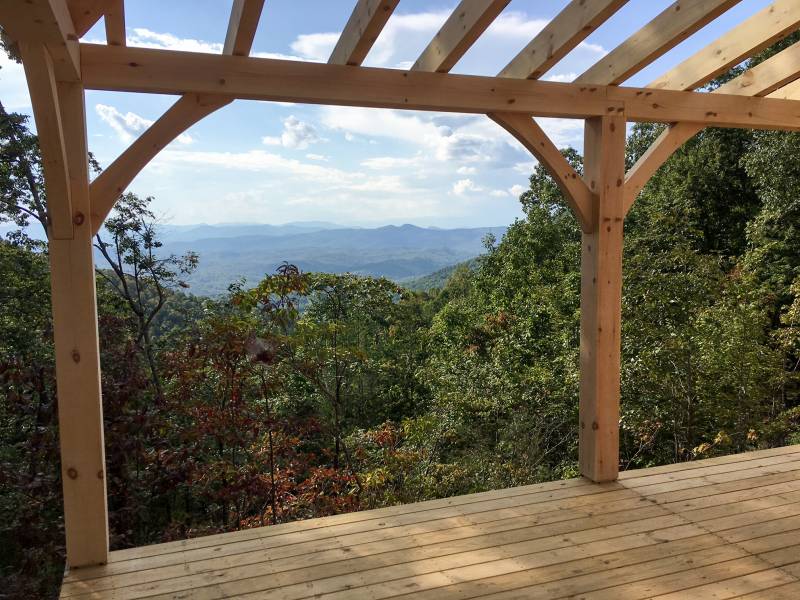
column 59, row 68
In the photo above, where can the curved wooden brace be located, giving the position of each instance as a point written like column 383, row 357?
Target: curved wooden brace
column 529, row 134
column 108, row 186
column 656, row 155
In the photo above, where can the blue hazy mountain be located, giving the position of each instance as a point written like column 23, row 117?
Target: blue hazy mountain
column 231, row 252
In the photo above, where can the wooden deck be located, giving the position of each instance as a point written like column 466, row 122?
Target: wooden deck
column 727, row 527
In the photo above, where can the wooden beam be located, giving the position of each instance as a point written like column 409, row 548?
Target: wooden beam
column 601, row 300
column 242, row 26
column 187, row 111
column 45, row 22
column 664, row 32
column 85, row 13
column 577, row 194
column 112, row 182
column 763, row 79
column 80, row 408
column 760, row 31
column 362, row 29
column 560, row 36
column 768, row 76
column 115, row 23
column 165, row 71
column 464, row 26
column 40, row 74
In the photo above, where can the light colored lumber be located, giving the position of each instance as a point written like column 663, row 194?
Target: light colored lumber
column 664, row 32
column 787, row 92
column 601, row 300
column 164, row 71
column 790, row 591
column 187, row 111
column 464, row 26
column 362, row 29
column 242, row 27
column 85, row 13
column 760, row 31
column 40, row 75
column 45, row 22
column 762, row 80
column 115, row 22
column 576, row 193
column 80, row 409
column 560, row 36
column 107, row 187
column 768, row 76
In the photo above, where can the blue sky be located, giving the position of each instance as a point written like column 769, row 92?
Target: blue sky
column 265, row 162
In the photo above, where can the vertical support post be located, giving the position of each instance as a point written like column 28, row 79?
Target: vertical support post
column 80, row 409
column 601, row 299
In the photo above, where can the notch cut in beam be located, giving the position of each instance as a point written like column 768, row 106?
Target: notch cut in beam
column 461, row 30
column 664, row 32
column 560, row 36
column 361, row 31
column 165, row 71
column 760, row 31
column 528, row 132
column 85, row 13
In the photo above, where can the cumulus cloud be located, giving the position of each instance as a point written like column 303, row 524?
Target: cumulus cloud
column 296, row 134
column 129, row 125
column 315, row 46
column 517, row 190
column 464, row 186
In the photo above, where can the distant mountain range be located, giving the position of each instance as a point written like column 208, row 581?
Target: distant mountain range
column 401, row 253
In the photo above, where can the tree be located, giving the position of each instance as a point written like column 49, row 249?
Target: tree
column 141, row 275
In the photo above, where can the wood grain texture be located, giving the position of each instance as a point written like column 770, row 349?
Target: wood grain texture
column 717, row 528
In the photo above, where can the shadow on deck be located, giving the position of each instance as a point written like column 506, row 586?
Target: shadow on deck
column 727, row 527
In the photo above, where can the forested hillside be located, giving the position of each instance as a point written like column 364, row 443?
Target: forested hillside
column 311, row 393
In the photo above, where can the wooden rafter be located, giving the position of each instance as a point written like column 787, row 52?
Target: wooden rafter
column 41, row 78
column 664, row 32
column 187, row 111
column 165, row 71
column 530, row 134
column 85, row 13
column 364, row 26
column 46, row 22
column 115, row 23
column 762, row 79
column 787, row 92
column 464, row 26
column 561, row 35
column 242, row 26
column 750, row 37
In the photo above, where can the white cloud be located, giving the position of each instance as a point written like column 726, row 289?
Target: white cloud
column 382, row 163
column 315, row 46
column 517, row 25
column 320, row 157
column 526, row 168
column 466, row 170
column 463, row 186
column 129, row 125
column 146, row 38
column 561, row 77
column 296, row 134
column 517, row 190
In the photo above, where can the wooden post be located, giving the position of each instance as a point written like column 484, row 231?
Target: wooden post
column 601, row 299
column 80, row 410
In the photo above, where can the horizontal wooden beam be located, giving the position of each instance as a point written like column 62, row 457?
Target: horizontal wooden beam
column 560, row 36
column 45, row 22
column 760, row 31
column 362, row 29
column 664, row 32
column 464, row 26
column 170, row 72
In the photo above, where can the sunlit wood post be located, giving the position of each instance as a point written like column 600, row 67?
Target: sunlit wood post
column 601, row 300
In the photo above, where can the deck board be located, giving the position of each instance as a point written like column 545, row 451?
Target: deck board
column 727, row 527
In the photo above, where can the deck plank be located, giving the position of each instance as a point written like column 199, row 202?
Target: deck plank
column 726, row 527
